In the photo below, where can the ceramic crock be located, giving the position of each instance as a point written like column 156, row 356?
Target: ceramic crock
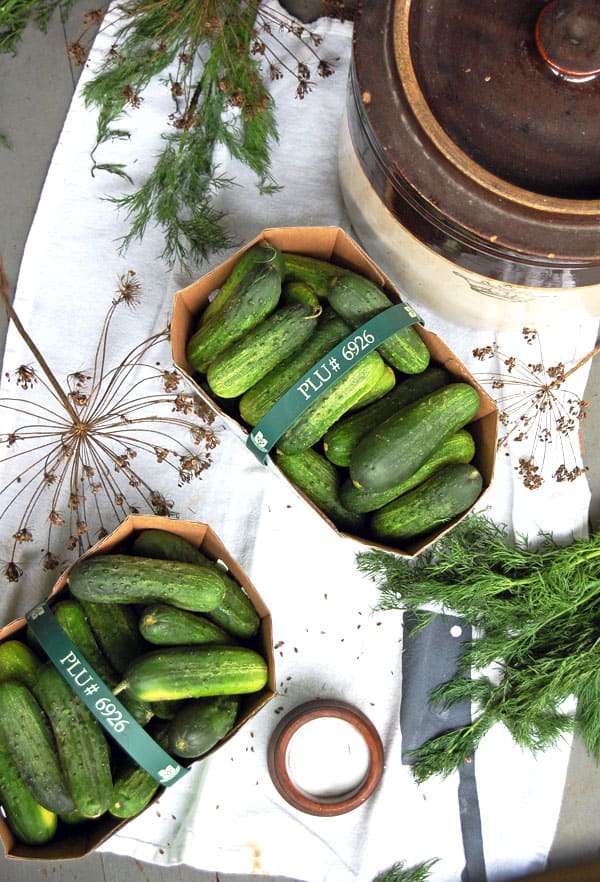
column 469, row 155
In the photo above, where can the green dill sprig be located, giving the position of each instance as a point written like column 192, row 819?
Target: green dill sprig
column 15, row 15
column 535, row 609
column 401, row 873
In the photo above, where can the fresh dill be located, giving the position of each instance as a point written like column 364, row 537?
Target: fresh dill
column 15, row 15
column 535, row 608
column 401, row 873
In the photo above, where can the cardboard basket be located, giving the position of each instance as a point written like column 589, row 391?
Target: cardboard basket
column 334, row 245
column 77, row 840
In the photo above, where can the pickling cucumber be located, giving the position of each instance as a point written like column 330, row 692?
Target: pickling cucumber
column 196, row 671
column 448, row 493
column 235, row 612
column 247, row 360
column 394, row 450
column 319, row 274
column 133, row 786
column 384, row 384
column 201, row 723
column 341, row 439
column 122, row 578
column 261, row 253
column 115, row 627
column 18, row 661
column 163, row 624
column 459, row 447
column 29, row 821
column 357, row 299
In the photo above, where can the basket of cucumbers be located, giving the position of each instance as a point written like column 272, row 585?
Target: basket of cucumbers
column 307, row 349
column 152, row 651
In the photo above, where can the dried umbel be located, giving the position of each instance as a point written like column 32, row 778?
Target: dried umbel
column 536, row 409
column 79, row 451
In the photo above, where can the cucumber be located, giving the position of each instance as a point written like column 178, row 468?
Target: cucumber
column 166, row 710
column 29, row 821
column 332, row 404
column 259, row 399
column 122, row 578
column 301, row 292
column 357, row 299
column 164, row 624
column 262, row 253
column 318, row 274
column 115, row 627
column 133, row 786
column 201, row 723
column 18, row 661
column 246, row 361
column 254, row 299
column 320, row 480
column 392, row 451
column 340, row 440
column 457, row 448
column 195, row 672
column 82, row 746
column 71, row 616
column 26, row 735
column 384, row 384
column 235, row 612
column 447, row 493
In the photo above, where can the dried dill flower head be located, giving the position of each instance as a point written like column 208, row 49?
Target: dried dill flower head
column 536, row 409
column 80, row 453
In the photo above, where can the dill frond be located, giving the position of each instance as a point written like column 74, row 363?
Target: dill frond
column 399, row 872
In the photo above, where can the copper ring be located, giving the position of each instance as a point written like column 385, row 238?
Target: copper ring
column 280, row 742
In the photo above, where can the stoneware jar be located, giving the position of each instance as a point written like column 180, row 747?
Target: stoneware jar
column 469, row 155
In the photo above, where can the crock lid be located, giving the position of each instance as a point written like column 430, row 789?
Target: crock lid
column 482, row 121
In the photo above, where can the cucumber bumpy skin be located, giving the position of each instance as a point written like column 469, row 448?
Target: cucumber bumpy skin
column 201, row 723
column 29, row 821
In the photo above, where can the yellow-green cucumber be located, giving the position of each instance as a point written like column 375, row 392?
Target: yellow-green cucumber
column 261, row 253
column 341, row 439
column 196, row 671
column 357, row 299
column 82, row 746
column 301, row 292
column 235, row 613
column 18, row 661
column 332, row 404
column 392, row 451
column 385, row 384
column 30, row 822
column 448, row 493
column 201, row 723
column 319, row 274
column 253, row 300
column 320, row 480
column 26, row 735
column 459, row 447
column 260, row 398
column 133, row 786
column 124, row 578
column 247, row 360
column 72, row 617
column 115, row 627
column 162, row 624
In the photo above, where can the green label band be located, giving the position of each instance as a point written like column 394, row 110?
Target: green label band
column 98, row 698
column 325, row 372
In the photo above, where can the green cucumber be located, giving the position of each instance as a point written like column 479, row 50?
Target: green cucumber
column 26, row 735
column 29, row 821
column 317, row 273
column 201, row 723
column 115, row 627
column 301, row 292
column 459, row 447
column 18, row 661
column 133, row 786
column 392, row 451
column 71, row 616
column 320, row 480
column 82, row 746
column 341, row 439
column 448, row 493
column 261, row 253
column 341, row 395
column 252, row 301
column 261, row 397
column 357, row 299
column 164, row 624
column 122, row 578
column 235, row 612
column 384, row 384
column 246, row 361
column 195, row 672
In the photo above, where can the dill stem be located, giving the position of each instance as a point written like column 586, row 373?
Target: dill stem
column 560, row 380
column 10, row 310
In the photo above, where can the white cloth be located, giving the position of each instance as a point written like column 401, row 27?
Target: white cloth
column 226, row 815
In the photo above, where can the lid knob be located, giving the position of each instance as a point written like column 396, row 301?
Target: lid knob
column 567, row 35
